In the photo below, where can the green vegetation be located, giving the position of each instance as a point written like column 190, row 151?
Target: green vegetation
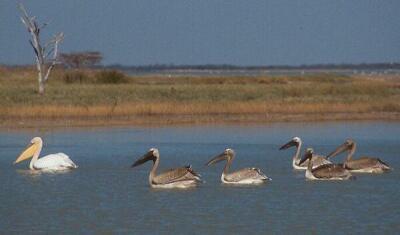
column 112, row 95
column 76, row 76
column 111, row 77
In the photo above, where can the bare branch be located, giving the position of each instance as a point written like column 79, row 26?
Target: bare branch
column 57, row 39
column 49, row 53
column 50, row 43
column 34, row 48
column 22, row 9
column 25, row 17
column 36, row 28
column 25, row 23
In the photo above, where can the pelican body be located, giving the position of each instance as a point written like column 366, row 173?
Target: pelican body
column 52, row 162
column 183, row 177
column 324, row 172
column 317, row 160
column 361, row 165
column 243, row 176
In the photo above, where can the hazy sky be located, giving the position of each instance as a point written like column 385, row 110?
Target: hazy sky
column 247, row 32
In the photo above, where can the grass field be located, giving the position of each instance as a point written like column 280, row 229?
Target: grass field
column 164, row 100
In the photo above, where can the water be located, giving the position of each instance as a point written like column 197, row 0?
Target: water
column 104, row 195
column 260, row 72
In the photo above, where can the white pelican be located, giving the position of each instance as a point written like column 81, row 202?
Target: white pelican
column 361, row 165
column 183, row 177
column 243, row 176
column 52, row 162
column 317, row 160
column 324, row 172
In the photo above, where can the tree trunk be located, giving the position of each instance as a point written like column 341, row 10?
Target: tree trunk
column 40, row 67
column 41, row 87
column 40, row 77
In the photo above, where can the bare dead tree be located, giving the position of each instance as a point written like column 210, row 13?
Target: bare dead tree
column 46, row 55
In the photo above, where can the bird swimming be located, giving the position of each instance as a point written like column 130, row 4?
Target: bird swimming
column 244, row 176
column 362, row 164
column 324, row 172
column 52, row 162
column 183, row 177
column 317, row 160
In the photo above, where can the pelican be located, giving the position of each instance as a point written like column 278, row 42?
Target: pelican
column 361, row 165
column 52, row 162
column 243, row 176
column 324, row 172
column 317, row 160
column 182, row 177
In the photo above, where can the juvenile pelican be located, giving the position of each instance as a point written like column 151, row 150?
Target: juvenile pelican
column 317, row 160
column 183, row 177
column 52, row 162
column 363, row 164
column 324, row 172
column 243, row 176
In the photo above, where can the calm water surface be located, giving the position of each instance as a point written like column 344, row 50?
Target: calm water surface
column 104, row 195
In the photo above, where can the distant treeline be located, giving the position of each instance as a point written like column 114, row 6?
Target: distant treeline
column 228, row 67
column 166, row 67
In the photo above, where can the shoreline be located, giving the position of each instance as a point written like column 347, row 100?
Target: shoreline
column 178, row 100
column 182, row 120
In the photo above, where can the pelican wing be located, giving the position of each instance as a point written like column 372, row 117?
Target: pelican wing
column 177, row 174
column 244, row 174
column 330, row 171
column 366, row 162
column 317, row 160
column 54, row 162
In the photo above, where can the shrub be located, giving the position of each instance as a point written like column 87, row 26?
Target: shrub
column 75, row 77
column 111, row 77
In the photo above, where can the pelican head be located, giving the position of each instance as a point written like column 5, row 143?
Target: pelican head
column 348, row 144
column 307, row 155
column 228, row 154
column 152, row 154
column 296, row 141
column 30, row 150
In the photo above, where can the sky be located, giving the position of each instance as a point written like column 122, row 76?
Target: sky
column 247, row 32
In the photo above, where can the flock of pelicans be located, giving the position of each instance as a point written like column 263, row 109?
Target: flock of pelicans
column 317, row 167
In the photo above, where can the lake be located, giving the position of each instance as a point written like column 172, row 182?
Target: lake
column 105, row 196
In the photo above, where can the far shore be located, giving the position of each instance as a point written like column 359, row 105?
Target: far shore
column 182, row 120
column 90, row 97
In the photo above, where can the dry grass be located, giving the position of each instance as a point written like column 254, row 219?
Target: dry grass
column 217, row 98
column 176, row 108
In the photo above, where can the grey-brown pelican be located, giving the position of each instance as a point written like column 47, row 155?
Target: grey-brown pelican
column 324, row 172
column 363, row 164
column 317, row 160
column 243, row 176
column 182, row 177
